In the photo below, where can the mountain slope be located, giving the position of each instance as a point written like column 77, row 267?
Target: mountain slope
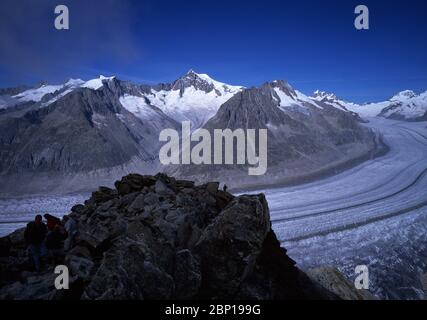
column 303, row 135
column 407, row 105
column 194, row 97
column 84, row 131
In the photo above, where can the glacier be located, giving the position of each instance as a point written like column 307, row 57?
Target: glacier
column 374, row 214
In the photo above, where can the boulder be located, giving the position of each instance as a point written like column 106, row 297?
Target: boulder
column 212, row 187
column 103, row 194
column 222, row 199
column 79, row 266
column 133, row 183
column 230, row 245
column 187, row 275
column 162, row 189
column 138, row 204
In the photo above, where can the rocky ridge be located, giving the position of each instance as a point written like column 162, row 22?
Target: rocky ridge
column 155, row 237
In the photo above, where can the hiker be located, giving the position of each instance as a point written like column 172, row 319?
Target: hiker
column 72, row 230
column 55, row 243
column 52, row 221
column 225, row 188
column 34, row 235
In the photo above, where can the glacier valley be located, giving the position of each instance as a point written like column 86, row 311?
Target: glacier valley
column 373, row 214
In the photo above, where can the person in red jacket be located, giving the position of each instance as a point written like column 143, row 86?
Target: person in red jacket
column 51, row 221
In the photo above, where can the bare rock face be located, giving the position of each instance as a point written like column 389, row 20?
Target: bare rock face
column 424, row 281
column 156, row 237
column 337, row 283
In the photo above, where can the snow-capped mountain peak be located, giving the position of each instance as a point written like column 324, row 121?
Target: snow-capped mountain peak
column 39, row 92
column 332, row 100
column 283, row 93
column 203, row 82
column 283, row 86
column 74, row 82
column 97, row 83
column 406, row 105
column 194, row 97
column 287, row 98
column 404, row 95
column 320, row 95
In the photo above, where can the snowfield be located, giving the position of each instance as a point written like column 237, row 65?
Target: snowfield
column 374, row 214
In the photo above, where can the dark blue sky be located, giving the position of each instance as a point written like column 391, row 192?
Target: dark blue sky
column 310, row 43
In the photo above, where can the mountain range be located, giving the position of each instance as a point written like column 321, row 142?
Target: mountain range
column 405, row 105
column 62, row 138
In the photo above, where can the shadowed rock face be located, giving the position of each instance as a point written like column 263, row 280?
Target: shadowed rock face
column 424, row 281
column 154, row 237
column 303, row 136
column 86, row 130
column 337, row 283
column 85, row 133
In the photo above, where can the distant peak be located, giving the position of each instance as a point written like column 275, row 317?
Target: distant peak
column 191, row 74
column 324, row 95
column 74, row 82
column 280, row 84
column 98, row 82
column 198, row 76
column 41, row 83
column 405, row 94
column 101, row 77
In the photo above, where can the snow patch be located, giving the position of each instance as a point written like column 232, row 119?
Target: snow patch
column 96, row 84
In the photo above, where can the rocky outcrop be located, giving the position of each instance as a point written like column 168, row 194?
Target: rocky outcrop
column 333, row 280
column 155, row 237
column 424, row 281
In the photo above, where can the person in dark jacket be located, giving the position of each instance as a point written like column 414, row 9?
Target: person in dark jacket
column 34, row 235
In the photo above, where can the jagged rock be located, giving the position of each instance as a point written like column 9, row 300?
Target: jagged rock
column 35, row 287
column 212, row 187
column 151, row 199
column 161, row 238
column 79, row 208
column 103, row 194
column 181, row 184
column 187, row 274
column 337, row 283
column 80, row 251
column 133, row 183
column 79, row 266
column 11, row 269
column 230, row 245
column 162, row 189
column 138, row 203
column 424, row 281
column 222, row 199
